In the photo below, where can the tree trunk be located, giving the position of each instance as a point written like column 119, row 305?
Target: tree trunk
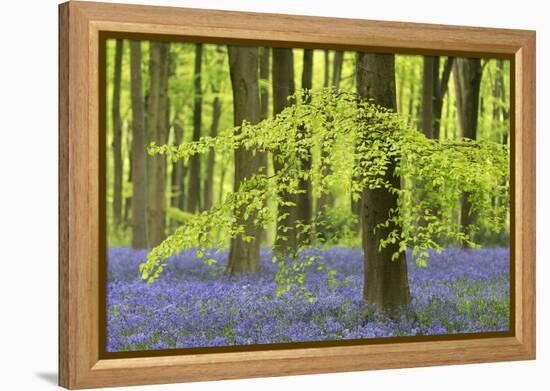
column 194, row 187
column 178, row 177
column 264, row 90
column 441, row 90
column 264, row 112
column 337, row 69
column 157, row 132
column 283, row 87
column 433, row 93
column 303, row 200
column 139, row 152
column 468, row 72
column 216, row 114
column 117, row 135
column 244, row 256
column 326, row 76
column 386, row 283
column 326, row 200
column 429, row 85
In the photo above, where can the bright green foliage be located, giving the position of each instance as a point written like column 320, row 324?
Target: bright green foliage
column 360, row 140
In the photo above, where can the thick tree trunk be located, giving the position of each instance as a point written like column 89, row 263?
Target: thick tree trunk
column 117, row 135
column 283, row 87
column 386, row 283
column 194, row 187
column 216, row 114
column 468, row 72
column 139, row 152
column 244, row 256
column 303, row 200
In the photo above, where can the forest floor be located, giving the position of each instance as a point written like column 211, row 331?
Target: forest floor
column 193, row 305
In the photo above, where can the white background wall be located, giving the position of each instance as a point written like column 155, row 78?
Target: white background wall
column 28, row 193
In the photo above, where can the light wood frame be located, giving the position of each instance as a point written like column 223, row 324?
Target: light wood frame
column 80, row 24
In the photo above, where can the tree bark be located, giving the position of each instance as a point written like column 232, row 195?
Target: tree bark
column 429, row 85
column 283, row 87
column 265, row 54
column 139, row 152
column 244, row 256
column 433, row 93
column 194, row 187
column 441, row 90
column 337, row 69
column 386, row 283
column 178, row 173
column 303, row 200
column 216, row 114
column 158, row 132
column 326, row 76
column 468, row 72
column 117, row 134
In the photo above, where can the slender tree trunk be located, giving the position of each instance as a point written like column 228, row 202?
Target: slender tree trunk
column 209, row 180
column 178, row 179
column 441, row 90
column 152, row 119
column 157, row 132
column 303, row 200
column 194, row 187
column 216, row 114
column 283, row 87
column 244, row 256
column 326, row 200
column 326, row 76
column 264, row 112
column 337, row 69
column 468, row 72
column 386, row 283
column 433, row 93
column 139, row 152
column 117, row 135
column 429, row 85
column 128, row 200
column 264, row 90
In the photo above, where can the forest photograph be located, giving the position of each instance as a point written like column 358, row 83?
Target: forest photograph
column 266, row 195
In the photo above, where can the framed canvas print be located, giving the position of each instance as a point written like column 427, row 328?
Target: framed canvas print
column 247, row 195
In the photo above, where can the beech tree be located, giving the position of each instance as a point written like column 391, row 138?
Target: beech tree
column 283, row 88
column 386, row 279
column 244, row 253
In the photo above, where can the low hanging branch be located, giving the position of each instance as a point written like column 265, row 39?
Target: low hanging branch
column 359, row 132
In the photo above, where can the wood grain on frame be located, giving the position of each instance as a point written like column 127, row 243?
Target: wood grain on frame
column 80, row 365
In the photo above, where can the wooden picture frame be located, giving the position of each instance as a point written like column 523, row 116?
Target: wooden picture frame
column 80, row 165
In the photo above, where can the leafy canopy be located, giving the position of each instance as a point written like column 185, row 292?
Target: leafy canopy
column 354, row 144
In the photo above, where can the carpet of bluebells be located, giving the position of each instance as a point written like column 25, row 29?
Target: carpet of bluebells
column 193, row 305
